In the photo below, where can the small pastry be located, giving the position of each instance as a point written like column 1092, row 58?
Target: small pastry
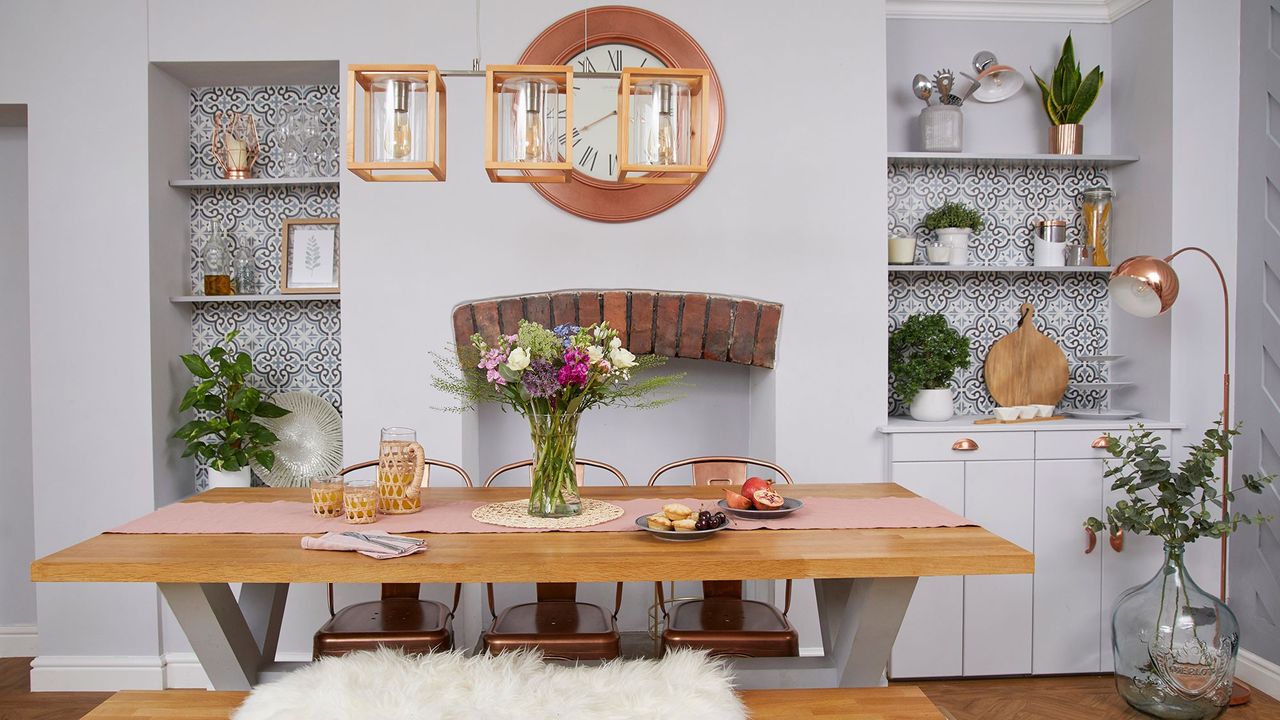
column 659, row 522
column 676, row 511
column 686, row 525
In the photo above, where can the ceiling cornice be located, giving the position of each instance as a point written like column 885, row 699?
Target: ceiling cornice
column 1078, row 11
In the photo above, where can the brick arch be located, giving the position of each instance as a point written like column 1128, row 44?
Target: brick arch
column 675, row 324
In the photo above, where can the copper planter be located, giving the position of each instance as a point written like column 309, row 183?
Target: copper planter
column 1066, row 139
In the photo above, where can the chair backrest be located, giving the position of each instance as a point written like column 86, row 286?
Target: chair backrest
column 720, row 469
column 582, row 465
column 426, row 473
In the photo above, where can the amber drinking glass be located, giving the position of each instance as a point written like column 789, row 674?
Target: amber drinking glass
column 360, row 500
column 401, row 466
column 326, row 496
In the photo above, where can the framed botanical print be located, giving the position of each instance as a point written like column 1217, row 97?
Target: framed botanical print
column 309, row 250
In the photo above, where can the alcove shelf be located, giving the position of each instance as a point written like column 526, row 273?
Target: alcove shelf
column 201, row 183
column 294, row 297
column 1011, row 159
column 996, row 269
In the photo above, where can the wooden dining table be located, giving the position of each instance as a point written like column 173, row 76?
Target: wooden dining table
column 863, row 578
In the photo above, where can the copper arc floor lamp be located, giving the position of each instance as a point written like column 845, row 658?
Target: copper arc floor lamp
column 1147, row 286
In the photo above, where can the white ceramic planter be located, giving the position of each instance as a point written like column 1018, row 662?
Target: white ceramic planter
column 933, row 405
column 239, row 478
column 958, row 240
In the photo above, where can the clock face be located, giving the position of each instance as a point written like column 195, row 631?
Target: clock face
column 595, row 107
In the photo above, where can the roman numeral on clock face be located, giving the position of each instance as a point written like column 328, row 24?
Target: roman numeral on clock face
column 577, row 137
column 615, row 60
column 585, row 65
column 589, row 157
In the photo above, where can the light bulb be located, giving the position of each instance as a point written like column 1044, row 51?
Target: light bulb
column 666, row 140
column 401, row 136
column 532, row 136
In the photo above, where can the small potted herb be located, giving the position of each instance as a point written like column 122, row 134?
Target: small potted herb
column 1175, row 645
column 953, row 223
column 224, row 434
column 1066, row 99
column 924, row 355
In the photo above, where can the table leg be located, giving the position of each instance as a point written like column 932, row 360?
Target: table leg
column 859, row 621
column 229, row 645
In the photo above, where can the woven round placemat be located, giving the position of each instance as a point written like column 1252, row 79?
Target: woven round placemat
column 516, row 514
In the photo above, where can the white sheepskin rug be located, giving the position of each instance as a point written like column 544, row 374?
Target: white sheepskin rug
column 387, row 685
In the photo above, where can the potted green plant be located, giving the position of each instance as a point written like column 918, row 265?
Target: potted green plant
column 224, row 434
column 1067, row 97
column 924, row 354
column 953, row 223
column 1174, row 644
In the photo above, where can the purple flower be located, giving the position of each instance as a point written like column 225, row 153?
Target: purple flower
column 566, row 333
column 574, row 356
column 492, row 359
column 540, row 379
column 495, row 377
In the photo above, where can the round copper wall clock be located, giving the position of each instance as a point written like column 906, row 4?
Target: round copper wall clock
column 607, row 39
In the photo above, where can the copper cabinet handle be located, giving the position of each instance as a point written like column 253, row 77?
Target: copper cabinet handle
column 1093, row 540
column 1100, row 443
column 964, row 445
column 1117, row 540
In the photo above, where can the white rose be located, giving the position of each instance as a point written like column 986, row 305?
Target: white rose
column 615, row 343
column 621, row 358
column 518, row 359
column 595, row 353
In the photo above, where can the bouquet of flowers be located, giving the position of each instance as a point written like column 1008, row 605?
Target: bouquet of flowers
column 551, row 377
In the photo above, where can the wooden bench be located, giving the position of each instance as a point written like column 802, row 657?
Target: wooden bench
column 889, row 703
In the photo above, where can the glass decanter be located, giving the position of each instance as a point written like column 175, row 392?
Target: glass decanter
column 1175, row 645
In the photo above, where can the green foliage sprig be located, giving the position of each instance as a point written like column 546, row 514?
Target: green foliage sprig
column 1069, row 97
column 1179, row 507
column 953, row 215
column 225, row 435
column 925, row 353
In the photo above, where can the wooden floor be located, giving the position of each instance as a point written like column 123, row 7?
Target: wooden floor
column 1069, row 698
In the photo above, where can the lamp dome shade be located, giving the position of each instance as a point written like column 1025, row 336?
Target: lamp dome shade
column 1144, row 286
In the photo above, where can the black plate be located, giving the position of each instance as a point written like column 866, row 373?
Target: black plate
column 789, row 505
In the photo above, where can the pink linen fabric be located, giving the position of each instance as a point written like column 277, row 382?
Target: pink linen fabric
column 296, row 518
column 340, row 542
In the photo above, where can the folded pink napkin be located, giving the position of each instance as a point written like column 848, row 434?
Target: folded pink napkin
column 378, row 546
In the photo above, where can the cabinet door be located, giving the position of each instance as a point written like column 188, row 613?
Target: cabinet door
column 1067, row 591
column 999, row 496
column 930, row 642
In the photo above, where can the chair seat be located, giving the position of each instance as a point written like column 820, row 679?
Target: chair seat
column 729, row 626
column 560, row 629
column 410, row 624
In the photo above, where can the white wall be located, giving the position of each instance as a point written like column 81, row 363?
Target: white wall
column 1016, row 125
column 17, row 532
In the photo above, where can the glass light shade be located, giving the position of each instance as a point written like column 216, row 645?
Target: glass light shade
column 530, row 120
column 399, row 120
column 1144, row 286
column 660, row 123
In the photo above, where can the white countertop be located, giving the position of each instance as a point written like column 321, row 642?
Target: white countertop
column 965, row 423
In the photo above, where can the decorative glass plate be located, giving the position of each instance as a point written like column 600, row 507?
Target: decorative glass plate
column 310, row 440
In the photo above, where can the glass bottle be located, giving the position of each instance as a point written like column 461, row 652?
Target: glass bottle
column 1175, row 645
column 217, row 262
column 1096, row 214
column 244, row 272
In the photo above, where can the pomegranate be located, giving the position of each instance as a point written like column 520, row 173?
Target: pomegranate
column 736, row 501
column 767, row 500
column 753, row 484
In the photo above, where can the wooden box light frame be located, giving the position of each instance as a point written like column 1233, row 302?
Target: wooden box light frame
column 433, row 169
column 699, row 153
column 525, row 172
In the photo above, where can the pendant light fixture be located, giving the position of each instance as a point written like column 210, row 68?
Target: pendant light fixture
column 527, row 108
column 400, row 117
column 662, row 126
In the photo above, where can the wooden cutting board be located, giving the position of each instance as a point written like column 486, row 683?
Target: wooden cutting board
column 1025, row 367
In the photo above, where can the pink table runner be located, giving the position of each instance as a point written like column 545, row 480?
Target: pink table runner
column 296, row 518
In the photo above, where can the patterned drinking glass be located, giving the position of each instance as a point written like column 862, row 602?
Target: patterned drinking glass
column 326, row 496
column 401, row 466
column 360, row 500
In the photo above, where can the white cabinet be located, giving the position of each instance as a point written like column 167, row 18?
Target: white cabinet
column 930, row 641
column 999, row 496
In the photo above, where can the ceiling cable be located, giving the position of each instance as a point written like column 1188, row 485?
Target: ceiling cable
column 475, row 61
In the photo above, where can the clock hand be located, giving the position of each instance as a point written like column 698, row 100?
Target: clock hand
column 593, row 123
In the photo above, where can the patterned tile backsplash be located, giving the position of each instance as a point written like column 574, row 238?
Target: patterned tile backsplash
column 295, row 345
column 1072, row 308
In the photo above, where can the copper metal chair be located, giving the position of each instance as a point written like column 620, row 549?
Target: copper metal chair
column 721, row 621
column 557, row 624
column 400, row 619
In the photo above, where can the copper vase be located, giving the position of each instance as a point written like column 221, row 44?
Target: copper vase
column 1066, row 139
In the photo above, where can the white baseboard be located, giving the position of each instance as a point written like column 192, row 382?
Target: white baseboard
column 1259, row 673
column 18, row 641
column 96, row 673
column 182, row 669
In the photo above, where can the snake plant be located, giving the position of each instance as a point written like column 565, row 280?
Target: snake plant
column 1069, row 97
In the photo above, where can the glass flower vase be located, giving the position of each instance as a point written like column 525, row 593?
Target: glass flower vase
column 554, row 476
column 1175, row 645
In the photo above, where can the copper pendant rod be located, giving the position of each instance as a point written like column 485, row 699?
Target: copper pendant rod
column 1226, row 399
